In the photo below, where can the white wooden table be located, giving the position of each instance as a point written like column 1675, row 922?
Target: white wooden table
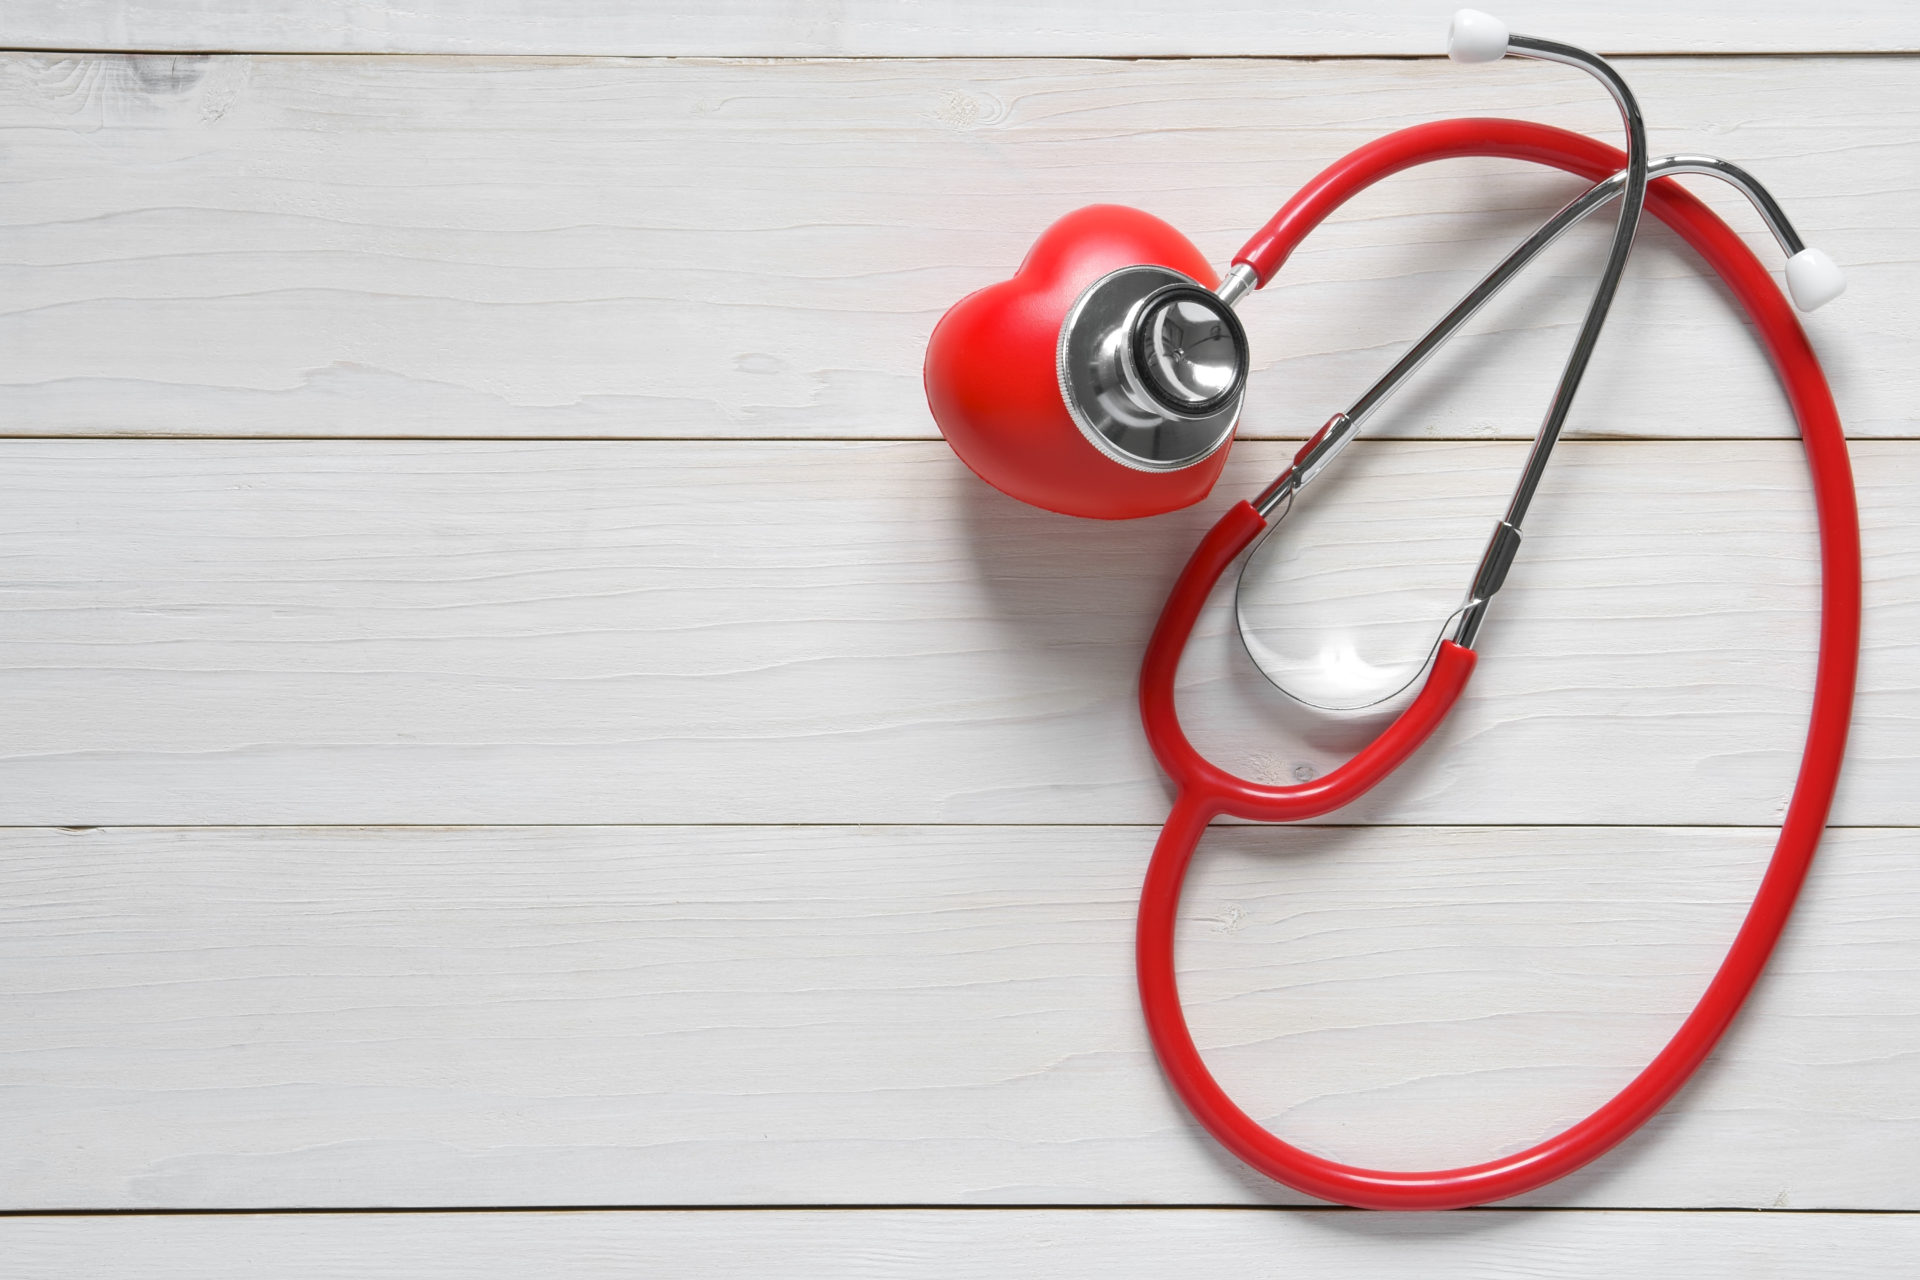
column 512, row 711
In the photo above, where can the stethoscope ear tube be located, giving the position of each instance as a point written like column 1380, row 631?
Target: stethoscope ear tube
column 1204, row 790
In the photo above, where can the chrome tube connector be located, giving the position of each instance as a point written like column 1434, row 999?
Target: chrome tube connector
column 1239, row 281
column 1488, row 577
column 1308, row 461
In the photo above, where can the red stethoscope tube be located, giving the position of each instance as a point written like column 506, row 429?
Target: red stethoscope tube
column 1205, row 791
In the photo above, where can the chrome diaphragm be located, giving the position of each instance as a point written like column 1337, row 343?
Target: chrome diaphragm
column 1153, row 368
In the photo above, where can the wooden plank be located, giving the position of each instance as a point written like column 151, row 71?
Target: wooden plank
column 777, row 1015
column 436, row 247
column 270, row 632
column 875, row 28
column 1091, row 1243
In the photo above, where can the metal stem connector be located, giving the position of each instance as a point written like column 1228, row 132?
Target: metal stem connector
column 1240, row 281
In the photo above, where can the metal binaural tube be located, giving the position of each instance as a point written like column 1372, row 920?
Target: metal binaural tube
column 1274, row 501
column 1634, row 196
column 1633, row 186
column 1747, row 185
column 1574, row 212
column 1483, row 39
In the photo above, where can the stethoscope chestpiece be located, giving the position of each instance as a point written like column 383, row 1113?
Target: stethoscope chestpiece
column 1102, row 379
column 1153, row 368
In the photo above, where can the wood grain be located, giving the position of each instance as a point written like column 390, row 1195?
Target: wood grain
column 873, row 28
column 269, row 632
column 739, row 586
column 956, row 1246
column 836, row 1015
column 510, row 247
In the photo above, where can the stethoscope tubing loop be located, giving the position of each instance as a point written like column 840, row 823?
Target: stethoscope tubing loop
column 1205, row 791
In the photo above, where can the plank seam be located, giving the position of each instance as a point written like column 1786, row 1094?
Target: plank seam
column 855, row 825
column 126, row 437
column 763, row 58
column 1008, row 1207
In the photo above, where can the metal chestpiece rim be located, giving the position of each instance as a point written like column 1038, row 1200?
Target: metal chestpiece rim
column 1122, row 406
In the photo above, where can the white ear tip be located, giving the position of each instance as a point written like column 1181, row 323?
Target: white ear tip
column 1814, row 279
column 1476, row 37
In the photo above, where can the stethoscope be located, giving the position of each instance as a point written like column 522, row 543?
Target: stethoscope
column 1106, row 379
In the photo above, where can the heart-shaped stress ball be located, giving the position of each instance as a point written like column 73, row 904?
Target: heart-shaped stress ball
column 993, row 378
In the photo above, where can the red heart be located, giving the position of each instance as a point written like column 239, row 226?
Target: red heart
column 995, row 392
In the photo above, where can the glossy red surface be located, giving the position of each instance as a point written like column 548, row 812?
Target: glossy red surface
column 994, row 391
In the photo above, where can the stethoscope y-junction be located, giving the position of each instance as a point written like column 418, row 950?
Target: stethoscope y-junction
column 1106, row 379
